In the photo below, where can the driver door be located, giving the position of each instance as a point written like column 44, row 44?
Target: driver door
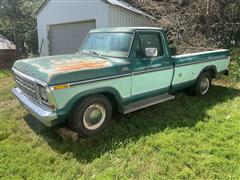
column 150, row 75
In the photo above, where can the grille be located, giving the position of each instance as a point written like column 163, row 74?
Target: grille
column 27, row 86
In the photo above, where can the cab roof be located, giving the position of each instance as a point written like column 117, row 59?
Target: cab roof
column 123, row 29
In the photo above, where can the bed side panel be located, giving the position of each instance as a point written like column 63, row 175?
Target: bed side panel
column 188, row 67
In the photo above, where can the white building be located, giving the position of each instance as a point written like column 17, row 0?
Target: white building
column 63, row 24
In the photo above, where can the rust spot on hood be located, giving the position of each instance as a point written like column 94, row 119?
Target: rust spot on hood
column 81, row 65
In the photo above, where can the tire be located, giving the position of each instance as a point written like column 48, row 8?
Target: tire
column 91, row 116
column 202, row 85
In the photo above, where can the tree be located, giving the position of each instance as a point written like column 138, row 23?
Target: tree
column 208, row 23
column 18, row 23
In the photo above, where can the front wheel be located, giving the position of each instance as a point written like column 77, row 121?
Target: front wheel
column 91, row 116
column 203, row 84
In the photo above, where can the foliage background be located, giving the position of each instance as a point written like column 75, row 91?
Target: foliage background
column 18, row 24
column 199, row 23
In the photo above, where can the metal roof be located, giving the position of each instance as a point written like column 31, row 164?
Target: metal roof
column 128, row 7
column 113, row 2
column 123, row 29
column 5, row 43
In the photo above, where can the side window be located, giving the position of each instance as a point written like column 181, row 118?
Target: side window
column 150, row 40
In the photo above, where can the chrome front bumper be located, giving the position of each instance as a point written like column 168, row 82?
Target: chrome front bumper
column 45, row 116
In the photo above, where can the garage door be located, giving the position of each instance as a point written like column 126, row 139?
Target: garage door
column 67, row 38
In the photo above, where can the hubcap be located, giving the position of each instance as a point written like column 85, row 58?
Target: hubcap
column 94, row 116
column 204, row 86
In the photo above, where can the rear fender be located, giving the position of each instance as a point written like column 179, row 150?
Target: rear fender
column 212, row 69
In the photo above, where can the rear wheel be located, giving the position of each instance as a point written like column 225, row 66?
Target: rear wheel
column 203, row 84
column 91, row 116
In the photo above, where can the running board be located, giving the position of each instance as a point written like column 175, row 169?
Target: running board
column 146, row 103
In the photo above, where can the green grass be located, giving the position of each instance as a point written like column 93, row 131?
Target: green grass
column 4, row 73
column 186, row 138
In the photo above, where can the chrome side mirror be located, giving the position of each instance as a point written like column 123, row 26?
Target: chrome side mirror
column 151, row 52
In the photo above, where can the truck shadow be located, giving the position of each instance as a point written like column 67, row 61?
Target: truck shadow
column 184, row 111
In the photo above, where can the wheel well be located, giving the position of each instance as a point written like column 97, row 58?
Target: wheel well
column 212, row 70
column 113, row 100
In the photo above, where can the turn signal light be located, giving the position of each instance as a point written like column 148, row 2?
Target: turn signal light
column 62, row 86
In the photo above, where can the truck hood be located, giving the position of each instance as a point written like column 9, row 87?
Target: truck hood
column 70, row 68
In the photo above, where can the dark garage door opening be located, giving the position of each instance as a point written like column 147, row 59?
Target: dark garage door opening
column 67, row 38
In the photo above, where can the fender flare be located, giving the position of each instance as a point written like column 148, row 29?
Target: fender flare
column 211, row 68
column 104, row 90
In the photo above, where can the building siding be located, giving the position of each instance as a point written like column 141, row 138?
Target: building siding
column 104, row 14
column 61, row 11
column 120, row 17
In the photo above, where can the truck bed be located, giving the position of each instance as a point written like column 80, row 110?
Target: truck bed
column 189, row 64
column 186, row 55
column 190, row 50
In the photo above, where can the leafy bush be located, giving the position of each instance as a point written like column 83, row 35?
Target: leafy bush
column 235, row 65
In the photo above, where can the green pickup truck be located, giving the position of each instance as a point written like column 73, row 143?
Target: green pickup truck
column 123, row 69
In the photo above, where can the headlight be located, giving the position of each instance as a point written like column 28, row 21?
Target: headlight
column 43, row 93
column 46, row 97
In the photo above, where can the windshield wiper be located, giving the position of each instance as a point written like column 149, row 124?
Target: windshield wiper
column 95, row 53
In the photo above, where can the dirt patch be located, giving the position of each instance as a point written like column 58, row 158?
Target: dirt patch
column 6, row 82
column 67, row 134
column 8, row 104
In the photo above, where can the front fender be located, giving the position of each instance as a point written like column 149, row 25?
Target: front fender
column 73, row 101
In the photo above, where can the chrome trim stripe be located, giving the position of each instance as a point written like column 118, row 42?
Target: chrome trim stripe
column 133, row 73
column 114, row 77
column 199, row 62
column 98, row 79
column 152, row 70
column 199, row 53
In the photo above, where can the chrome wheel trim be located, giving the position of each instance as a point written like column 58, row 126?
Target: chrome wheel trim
column 204, row 86
column 93, row 109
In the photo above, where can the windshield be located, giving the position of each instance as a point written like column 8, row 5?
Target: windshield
column 108, row 44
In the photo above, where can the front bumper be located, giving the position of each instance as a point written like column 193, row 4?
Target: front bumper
column 47, row 117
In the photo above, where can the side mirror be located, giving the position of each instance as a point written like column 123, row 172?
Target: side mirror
column 151, row 52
